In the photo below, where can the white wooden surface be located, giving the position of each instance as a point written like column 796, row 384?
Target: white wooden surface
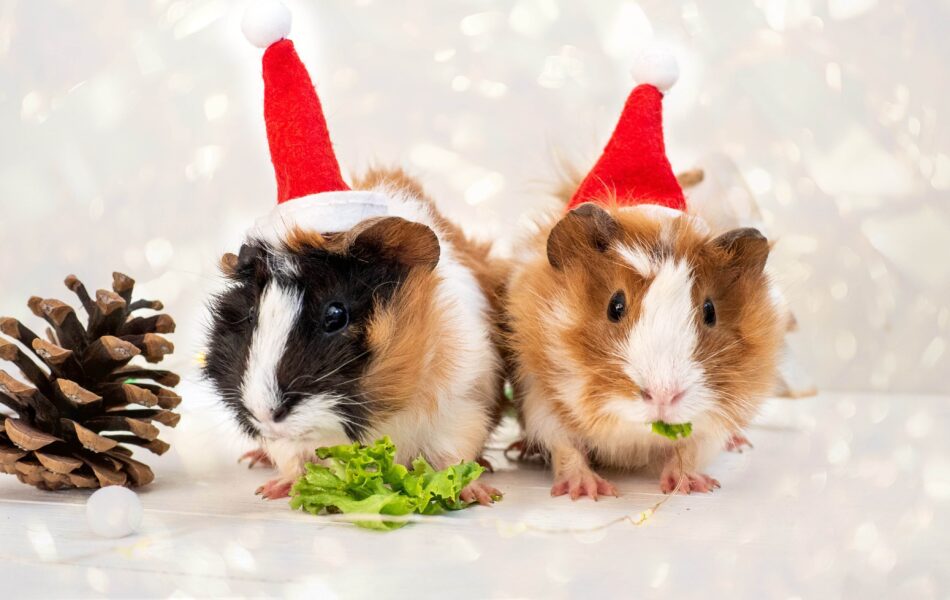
column 844, row 495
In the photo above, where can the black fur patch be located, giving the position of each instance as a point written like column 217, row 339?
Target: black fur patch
column 314, row 362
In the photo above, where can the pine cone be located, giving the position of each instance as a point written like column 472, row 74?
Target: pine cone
column 74, row 424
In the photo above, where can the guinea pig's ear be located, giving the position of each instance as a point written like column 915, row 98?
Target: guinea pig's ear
column 586, row 228
column 231, row 264
column 746, row 248
column 397, row 240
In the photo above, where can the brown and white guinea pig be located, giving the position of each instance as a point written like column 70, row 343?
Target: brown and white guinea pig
column 626, row 311
column 351, row 313
column 384, row 329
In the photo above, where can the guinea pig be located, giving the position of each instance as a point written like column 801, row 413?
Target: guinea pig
column 620, row 319
column 626, row 311
column 351, row 313
column 384, row 329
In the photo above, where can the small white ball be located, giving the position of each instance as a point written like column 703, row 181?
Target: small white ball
column 656, row 67
column 114, row 512
column 265, row 22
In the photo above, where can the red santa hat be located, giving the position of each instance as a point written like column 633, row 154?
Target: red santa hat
column 633, row 167
column 311, row 192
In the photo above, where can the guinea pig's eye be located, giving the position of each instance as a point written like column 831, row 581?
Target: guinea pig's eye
column 335, row 318
column 617, row 307
column 709, row 313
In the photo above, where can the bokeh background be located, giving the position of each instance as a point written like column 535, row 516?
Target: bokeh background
column 131, row 138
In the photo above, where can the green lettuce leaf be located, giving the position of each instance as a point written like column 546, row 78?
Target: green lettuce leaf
column 367, row 480
column 673, row 430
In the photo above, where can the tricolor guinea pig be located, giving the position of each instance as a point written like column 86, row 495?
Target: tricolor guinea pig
column 626, row 311
column 352, row 314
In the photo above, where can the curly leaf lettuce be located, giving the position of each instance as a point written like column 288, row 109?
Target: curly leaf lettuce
column 367, row 480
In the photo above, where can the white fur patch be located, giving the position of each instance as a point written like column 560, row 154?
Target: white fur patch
column 638, row 258
column 277, row 312
column 660, row 346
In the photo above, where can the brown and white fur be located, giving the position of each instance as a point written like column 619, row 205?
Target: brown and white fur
column 419, row 362
column 588, row 386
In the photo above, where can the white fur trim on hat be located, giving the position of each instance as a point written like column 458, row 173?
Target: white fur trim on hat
column 661, row 214
column 327, row 212
column 265, row 22
column 657, row 67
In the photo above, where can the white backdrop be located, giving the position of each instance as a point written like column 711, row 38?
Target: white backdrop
column 131, row 138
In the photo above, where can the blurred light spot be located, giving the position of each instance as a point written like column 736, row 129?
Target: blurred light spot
column 691, row 20
column 759, row 180
column 464, row 549
column 865, row 537
column 198, row 15
column 479, row 23
column 883, row 558
column 96, row 208
column 98, row 580
column 147, row 55
column 532, row 17
column 782, row 15
column 444, row 55
column 492, row 89
column 833, row 76
column 205, row 163
column 936, row 476
column 847, row 9
column 41, row 540
column 216, row 106
column 941, row 176
column 629, row 32
column 839, row 290
column 913, row 126
column 240, row 558
column 659, row 577
column 839, row 453
column 158, row 252
column 484, row 188
column 919, row 424
column 34, row 107
column 933, row 352
column 460, row 83
column 561, row 67
column 846, row 408
column 846, row 345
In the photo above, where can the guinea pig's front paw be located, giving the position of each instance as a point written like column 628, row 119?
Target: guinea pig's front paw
column 480, row 492
column 256, row 457
column 673, row 480
column 275, row 489
column 584, row 482
column 737, row 443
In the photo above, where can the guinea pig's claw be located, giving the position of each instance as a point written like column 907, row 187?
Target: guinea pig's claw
column 275, row 489
column 587, row 483
column 687, row 483
column 256, row 457
column 480, row 492
column 738, row 442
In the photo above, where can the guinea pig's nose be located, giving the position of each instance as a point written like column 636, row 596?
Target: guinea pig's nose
column 281, row 412
column 662, row 396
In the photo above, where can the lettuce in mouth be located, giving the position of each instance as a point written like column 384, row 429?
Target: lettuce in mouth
column 367, row 480
column 673, row 431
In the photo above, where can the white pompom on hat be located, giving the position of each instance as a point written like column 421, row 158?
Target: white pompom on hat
column 265, row 22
